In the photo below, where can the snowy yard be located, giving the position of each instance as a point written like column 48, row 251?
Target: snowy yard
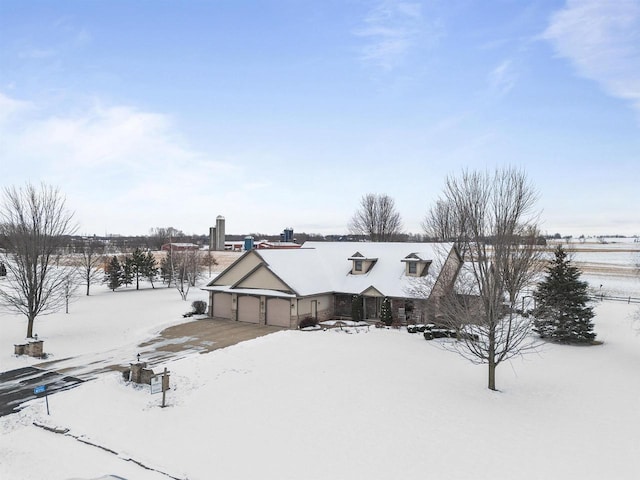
column 332, row 405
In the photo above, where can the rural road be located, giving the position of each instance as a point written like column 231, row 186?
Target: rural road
column 178, row 341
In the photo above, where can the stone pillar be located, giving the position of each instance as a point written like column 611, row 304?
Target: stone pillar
column 35, row 348
column 136, row 371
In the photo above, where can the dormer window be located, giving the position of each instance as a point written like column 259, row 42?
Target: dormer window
column 360, row 264
column 416, row 266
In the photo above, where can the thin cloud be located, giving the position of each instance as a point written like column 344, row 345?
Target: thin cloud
column 503, row 78
column 10, row 107
column 602, row 41
column 391, row 29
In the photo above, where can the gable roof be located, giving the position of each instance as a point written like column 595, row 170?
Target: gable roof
column 324, row 267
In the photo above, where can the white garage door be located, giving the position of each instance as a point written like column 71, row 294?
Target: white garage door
column 222, row 305
column 249, row 309
column 278, row 312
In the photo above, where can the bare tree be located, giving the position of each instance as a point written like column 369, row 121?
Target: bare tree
column 186, row 268
column 524, row 262
column 210, row 261
column 89, row 263
column 70, row 287
column 158, row 236
column 377, row 218
column 490, row 216
column 34, row 222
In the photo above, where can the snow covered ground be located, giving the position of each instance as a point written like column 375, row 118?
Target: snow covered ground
column 373, row 404
column 105, row 324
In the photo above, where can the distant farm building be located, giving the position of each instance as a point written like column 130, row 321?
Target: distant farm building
column 180, row 247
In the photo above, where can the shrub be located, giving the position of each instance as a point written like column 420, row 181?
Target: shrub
column 199, row 307
column 385, row 312
column 307, row 322
column 443, row 333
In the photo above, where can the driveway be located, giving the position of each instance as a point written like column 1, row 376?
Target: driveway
column 202, row 336
column 178, row 341
column 16, row 386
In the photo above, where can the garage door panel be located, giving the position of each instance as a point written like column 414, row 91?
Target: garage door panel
column 248, row 309
column 278, row 312
column 222, row 305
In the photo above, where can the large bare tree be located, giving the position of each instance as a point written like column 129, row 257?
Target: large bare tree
column 491, row 217
column 376, row 218
column 34, row 223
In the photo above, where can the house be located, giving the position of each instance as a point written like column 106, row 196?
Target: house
column 282, row 286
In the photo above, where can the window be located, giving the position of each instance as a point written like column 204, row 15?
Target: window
column 357, row 265
column 413, row 268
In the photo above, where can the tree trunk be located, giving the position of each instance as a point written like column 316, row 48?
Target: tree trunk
column 492, row 359
column 492, row 375
column 30, row 327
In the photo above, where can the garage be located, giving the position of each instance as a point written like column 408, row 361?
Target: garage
column 222, row 305
column 248, row 309
column 278, row 312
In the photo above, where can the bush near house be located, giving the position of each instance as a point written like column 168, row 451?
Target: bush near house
column 308, row 322
column 199, row 307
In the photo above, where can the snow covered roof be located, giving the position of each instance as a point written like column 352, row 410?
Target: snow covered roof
column 326, row 267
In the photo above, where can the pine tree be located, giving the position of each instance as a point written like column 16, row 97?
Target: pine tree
column 150, row 267
column 385, row 312
column 127, row 271
column 113, row 274
column 562, row 312
column 138, row 265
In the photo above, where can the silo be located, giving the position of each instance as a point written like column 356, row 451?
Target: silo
column 212, row 238
column 220, row 233
column 288, row 234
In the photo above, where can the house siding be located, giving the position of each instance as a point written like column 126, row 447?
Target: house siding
column 324, row 305
column 263, row 279
column 240, row 269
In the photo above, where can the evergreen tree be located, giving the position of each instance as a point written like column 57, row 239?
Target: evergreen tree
column 150, row 267
column 561, row 312
column 138, row 266
column 357, row 310
column 127, row 271
column 385, row 312
column 113, row 274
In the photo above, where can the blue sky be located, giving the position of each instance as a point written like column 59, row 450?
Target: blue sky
column 283, row 113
